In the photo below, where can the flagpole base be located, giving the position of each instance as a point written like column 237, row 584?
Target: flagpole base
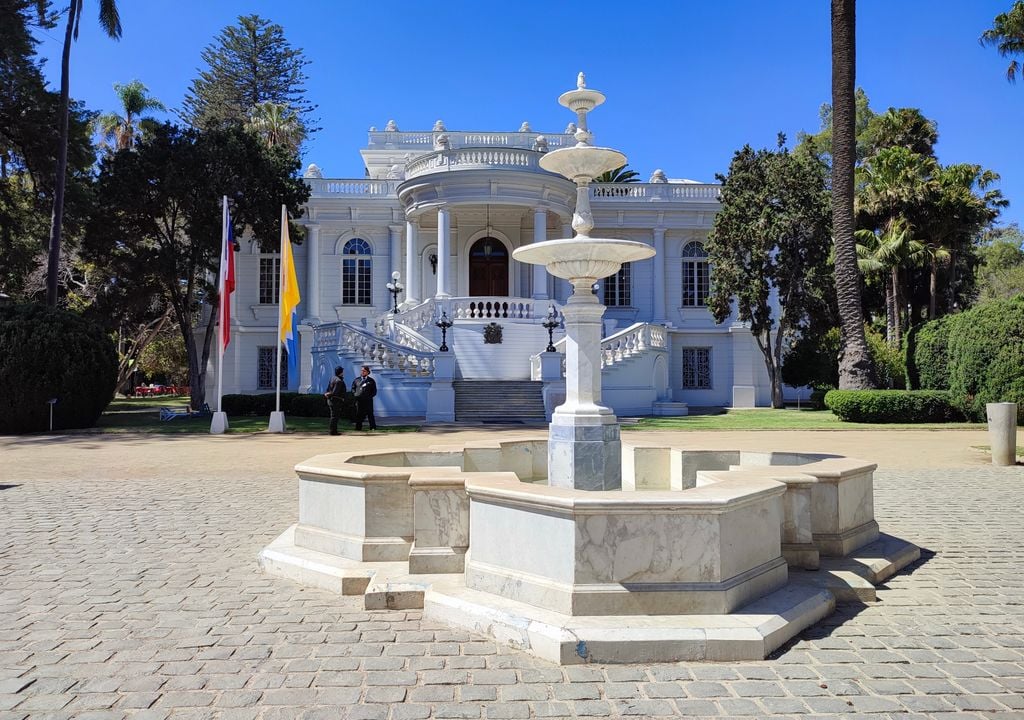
column 276, row 422
column 219, row 424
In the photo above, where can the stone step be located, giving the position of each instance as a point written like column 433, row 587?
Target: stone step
column 498, row 399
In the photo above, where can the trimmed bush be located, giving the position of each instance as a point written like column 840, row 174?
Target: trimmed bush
column 299, row 405
column 892, row 406
column 928, row 354
column 986, row 357
column 48, row 353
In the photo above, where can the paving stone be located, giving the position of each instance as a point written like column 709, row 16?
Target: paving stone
column 165, row 612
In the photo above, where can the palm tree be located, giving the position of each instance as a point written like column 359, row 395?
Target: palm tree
column 856, row 370
column 618, row 175
column 887, row 254
column 110, row 21
column 1007, row 35
column 277, row 125
column 894, row 183
column 121, row 131
column 965, row 204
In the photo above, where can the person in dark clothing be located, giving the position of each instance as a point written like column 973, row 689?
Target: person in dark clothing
column 335, row 393
column 364, row 388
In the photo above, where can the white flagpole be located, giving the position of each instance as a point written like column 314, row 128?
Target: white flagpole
column 219, row 422
column 220, row 294
column 280, row 291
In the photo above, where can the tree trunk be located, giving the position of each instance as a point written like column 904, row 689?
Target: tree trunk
column 890, row 314
column 856, row 371
column 933, row 285
column 143, row 337
column 897, row 307
column 57, row 217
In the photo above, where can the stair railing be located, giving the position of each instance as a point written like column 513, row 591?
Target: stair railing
column 617, row 347
column 371, row 349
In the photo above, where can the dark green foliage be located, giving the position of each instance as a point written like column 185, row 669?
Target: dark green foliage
column 814, row 361
column 49, row 353
column 299, row 405
column 986, row 357
column 249, row 64
column 928, row 354
column 771, row 235
column 892, row 406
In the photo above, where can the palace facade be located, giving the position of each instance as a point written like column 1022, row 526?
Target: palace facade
column 439, row 214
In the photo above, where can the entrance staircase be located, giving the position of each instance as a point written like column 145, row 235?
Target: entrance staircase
column 512, row 401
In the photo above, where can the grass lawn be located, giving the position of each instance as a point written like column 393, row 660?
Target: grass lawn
column 143, row 415
column 768, row 419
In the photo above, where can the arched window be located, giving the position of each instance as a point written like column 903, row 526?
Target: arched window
column 696, row 277
column 617, row 288
column 357, row 273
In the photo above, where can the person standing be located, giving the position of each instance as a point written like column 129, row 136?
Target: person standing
column 364, row 388
column 335, row 394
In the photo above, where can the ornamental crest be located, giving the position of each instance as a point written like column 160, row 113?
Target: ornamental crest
column 492, row 334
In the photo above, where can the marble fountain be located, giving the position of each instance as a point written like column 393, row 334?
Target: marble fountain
column 575, row 547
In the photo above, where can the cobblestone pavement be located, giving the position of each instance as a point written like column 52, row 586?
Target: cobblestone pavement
column 130, row 590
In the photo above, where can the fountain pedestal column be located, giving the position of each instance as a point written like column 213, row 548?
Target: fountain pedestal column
column 584, row 451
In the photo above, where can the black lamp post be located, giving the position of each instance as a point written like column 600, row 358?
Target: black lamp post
column 550, row 324
column 395, row 287
column 444, row 323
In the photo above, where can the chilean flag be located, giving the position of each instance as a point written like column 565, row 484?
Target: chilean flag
column 226, row 285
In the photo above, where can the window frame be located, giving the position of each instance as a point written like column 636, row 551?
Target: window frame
column 696, row 276
column 617, row 289
column 357, row 272
column 273, row 291
column 267, row 375
column 696, row 352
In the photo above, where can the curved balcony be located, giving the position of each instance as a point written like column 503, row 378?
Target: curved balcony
column 475, row 158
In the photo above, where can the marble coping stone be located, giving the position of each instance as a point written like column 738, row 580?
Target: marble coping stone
column 578, row 552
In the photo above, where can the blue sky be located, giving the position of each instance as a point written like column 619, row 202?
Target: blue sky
column 687, row 82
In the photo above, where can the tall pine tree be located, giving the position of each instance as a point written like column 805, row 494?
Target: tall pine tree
column 249, row 64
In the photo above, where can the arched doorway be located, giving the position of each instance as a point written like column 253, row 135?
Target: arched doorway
column 488, row 268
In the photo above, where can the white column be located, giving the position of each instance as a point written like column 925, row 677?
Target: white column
column 659, row 275
column 540, row 273
column 412, row 270
column 395, row 248
column 312, row 274
column 443, row 232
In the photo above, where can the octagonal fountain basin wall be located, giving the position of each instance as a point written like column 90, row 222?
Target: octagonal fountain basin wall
column 693, row 531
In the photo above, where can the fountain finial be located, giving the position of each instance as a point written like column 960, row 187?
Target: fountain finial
column 581, row 81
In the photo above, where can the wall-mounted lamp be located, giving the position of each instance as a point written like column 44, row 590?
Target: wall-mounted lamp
column 433, row 263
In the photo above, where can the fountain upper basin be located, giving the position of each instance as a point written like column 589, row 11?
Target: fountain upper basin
column 582, row 256
column 582, row 161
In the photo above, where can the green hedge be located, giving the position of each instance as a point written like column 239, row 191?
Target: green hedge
column 986, row 357
column 892, row 406
column 928, row 354
column 48, row 353
column 299, row 405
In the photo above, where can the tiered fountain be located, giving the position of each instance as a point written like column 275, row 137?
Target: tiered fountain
column 583, row 448
column 579, row 549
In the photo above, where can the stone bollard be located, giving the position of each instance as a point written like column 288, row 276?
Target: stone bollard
column 1002, row 432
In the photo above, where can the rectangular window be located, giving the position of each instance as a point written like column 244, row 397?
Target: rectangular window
column 265, row 368
column 696, row 368
column 270, row 280
column 696, row 282
column 356, row 281
column 617, row 288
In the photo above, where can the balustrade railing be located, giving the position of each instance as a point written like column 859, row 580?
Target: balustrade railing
column 356, row 187
column 419, row 316
column 371, row 349
column 619, row 346
column 654, row 192
column 473, row 158
column 485, row 308
column 419, row 140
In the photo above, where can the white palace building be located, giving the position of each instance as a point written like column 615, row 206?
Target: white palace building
column 441, row 212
